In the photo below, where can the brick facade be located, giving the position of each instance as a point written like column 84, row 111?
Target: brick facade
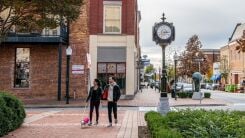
column 79, row 41
column 236, row 63
column 43, row 70
column 44, row 64
column 126, row 38
column 129, row 17
column 212, row 56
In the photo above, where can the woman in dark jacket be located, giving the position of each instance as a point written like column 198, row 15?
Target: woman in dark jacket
column 94, row 98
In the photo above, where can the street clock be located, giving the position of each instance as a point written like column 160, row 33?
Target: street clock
column 163, row 32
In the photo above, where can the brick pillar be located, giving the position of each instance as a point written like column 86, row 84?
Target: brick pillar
column 79, row 42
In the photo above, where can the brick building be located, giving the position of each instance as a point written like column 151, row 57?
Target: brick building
column 33, row 65
column 232, row 60
column 114, row 42
column 212, row 55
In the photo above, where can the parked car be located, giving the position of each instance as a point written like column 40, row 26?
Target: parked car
column 152, row 84
column 215, row 86
column 203, row 85
column 157, row 84
column 187, row 88
column 208, row 86
column 179, row 86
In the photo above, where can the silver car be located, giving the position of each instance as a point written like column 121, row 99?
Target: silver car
column 187, row 88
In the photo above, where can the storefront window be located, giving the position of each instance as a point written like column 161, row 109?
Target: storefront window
column 22, row 68
column 105, row 70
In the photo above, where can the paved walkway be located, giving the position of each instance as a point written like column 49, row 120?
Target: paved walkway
column 66, row 123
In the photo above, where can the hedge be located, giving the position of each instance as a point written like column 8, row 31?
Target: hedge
column 197, row 123
column 12, row 113
column 189, row 94
column 185, row 94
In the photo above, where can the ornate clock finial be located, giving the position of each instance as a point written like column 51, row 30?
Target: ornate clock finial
column 163, row 17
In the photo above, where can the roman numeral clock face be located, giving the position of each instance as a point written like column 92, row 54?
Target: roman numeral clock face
column 164, row 32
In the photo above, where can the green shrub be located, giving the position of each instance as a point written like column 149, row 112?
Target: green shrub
column 197, row 123
column 190, row 94
column 207, row 95
column 12, row 113
column 157, row 126
column 183, row 95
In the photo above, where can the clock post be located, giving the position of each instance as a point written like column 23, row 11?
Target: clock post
column 163, row 35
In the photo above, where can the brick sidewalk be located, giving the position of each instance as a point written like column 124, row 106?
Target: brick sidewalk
column 64, row 124
column 146, row 98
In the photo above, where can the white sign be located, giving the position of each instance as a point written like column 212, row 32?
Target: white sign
column 77, row 69
column 216, row 68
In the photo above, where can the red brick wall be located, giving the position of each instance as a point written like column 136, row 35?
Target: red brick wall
column 79, row 41
column 96, row 16
column 128, row 17
column 43, row 71
column 44, row 64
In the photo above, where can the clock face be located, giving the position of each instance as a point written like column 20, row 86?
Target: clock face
column 164, row 32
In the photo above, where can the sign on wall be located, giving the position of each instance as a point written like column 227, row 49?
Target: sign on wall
column 77, row 69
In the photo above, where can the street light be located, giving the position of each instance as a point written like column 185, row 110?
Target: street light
column 139, row 67
column 68, row 56
column 159, row 80
column 175, row 63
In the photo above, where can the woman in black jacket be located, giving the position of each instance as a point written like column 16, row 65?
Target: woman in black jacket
column 94, row 97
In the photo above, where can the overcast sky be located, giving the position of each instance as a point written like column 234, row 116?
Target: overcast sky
column 212, row 20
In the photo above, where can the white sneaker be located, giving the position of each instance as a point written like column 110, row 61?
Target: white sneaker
column 96, row 123
column 110, row 125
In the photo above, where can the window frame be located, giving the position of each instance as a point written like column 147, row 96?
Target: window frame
column 15, row 69
column 117, row 5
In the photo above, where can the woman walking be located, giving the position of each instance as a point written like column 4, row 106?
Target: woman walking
column 94, row 98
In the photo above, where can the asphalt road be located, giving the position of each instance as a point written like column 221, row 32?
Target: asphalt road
column 233, row 98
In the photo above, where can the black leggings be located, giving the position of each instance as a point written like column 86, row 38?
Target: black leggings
column 112, row 106
column 95, row 104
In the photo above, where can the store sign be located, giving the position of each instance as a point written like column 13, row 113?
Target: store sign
column 77, row 69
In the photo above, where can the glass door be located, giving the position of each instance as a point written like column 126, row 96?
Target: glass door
column 105, row 70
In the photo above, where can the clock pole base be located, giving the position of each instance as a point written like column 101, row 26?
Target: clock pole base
column 163, row 106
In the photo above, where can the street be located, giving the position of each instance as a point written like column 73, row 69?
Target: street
column 234, row 101
column 234, row 98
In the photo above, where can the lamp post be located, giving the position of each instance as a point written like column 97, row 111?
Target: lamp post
column 140, row 66
column 155, row 74
column 68, row 56
column 160, row 87
column 175, row 63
